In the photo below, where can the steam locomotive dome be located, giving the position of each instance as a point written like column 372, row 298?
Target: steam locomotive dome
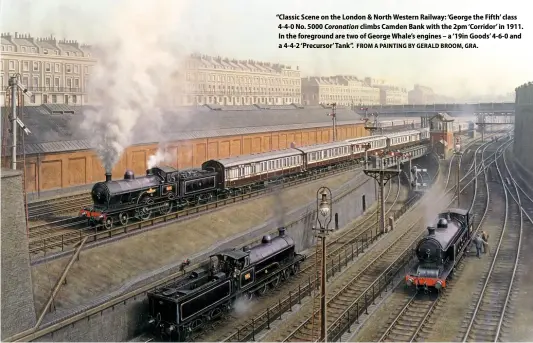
column 270, row 246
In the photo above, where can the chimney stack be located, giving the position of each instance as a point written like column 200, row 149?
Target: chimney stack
column 431, row 231
column 107, row 176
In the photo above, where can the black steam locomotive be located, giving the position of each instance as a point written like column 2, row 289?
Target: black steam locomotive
column 159, row 191
column 439, row 252
column 179, row 309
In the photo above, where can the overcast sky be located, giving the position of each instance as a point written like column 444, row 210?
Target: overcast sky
column 248, row 30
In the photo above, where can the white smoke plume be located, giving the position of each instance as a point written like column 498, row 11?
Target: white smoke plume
column 159, row 157
column 133, row 77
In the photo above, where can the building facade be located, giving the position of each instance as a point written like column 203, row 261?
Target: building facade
column 388, row 94
column 223, row 81
column 342, row 89
column 56, row 71
column 523, row 126
column 421, row 95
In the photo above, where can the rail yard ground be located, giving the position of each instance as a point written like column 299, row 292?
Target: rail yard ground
column 396, row 197
column 451, row 318
column 105, row 268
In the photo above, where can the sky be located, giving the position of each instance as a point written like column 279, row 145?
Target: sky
column 247, row 29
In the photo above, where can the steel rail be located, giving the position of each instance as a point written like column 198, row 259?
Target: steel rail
column 403, row 311
column 52, row 327
column 481, row 297
column 340, row 317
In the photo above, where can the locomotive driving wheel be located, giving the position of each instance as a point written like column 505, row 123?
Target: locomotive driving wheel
column 145, row 212
column 295, row 268
column 108, row 223
column 123, row 218
column 196, row 324
column 274, row 283
column 165, row 208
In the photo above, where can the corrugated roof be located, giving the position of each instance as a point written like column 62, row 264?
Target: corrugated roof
column 53, row 123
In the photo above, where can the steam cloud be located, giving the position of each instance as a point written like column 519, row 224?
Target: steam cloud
column 133, row 78
column 160, row 156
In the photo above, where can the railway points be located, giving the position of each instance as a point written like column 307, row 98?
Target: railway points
column 451, row 303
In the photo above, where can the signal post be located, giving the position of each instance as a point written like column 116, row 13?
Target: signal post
column 382, row 175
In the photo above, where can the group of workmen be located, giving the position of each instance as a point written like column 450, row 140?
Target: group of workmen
column 481, row 243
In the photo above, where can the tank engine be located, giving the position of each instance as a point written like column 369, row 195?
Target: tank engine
column 178, row 309
column 439, row 252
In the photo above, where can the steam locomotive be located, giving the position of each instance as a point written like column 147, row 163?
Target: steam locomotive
column 177, row 310
column 164, row 189
column 439, row 252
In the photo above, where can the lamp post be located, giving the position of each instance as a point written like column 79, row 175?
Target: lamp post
column 323, row 217
column 459, row 155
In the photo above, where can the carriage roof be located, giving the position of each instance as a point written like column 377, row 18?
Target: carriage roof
column 255, row 158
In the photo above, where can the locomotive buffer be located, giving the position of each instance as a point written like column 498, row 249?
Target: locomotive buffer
column 382, row 175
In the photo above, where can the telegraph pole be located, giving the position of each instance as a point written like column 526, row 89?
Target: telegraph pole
column 333, row 114
column 13, row 84
column 382, row 177
column 459, row 155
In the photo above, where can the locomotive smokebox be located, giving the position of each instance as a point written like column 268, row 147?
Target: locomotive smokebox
column 281, row 231
column 431, row 231
column 107, row 176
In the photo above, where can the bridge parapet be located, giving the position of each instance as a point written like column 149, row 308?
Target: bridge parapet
column 454, row 109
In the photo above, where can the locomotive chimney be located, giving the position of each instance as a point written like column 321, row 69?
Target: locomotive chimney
column 431, row 230
column 281, row 231
column 246, row 248
column 107, row 176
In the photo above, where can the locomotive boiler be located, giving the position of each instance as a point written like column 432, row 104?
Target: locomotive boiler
column 179, row 309
column 159, row 191
column 439, row 252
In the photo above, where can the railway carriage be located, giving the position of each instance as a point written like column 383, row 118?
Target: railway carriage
column 235, row 172
column 375, row 142
column 439, row 252
column 324, row 155
column 185, row 306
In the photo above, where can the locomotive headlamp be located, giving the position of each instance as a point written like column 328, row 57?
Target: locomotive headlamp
column 325, row 206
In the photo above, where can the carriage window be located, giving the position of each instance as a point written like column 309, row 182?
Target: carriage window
column 284, row 162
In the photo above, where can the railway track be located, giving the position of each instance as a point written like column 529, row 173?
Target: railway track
column 488, row 313
column 65, row 233
column 343, row 248
column 59, row 205
column 97, row 308
column 410, row 319
column 250, row 325
column 413, row 314
column 355, row 286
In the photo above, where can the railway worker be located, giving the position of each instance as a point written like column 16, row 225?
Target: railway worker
column 485, row 238
column 478, row 241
